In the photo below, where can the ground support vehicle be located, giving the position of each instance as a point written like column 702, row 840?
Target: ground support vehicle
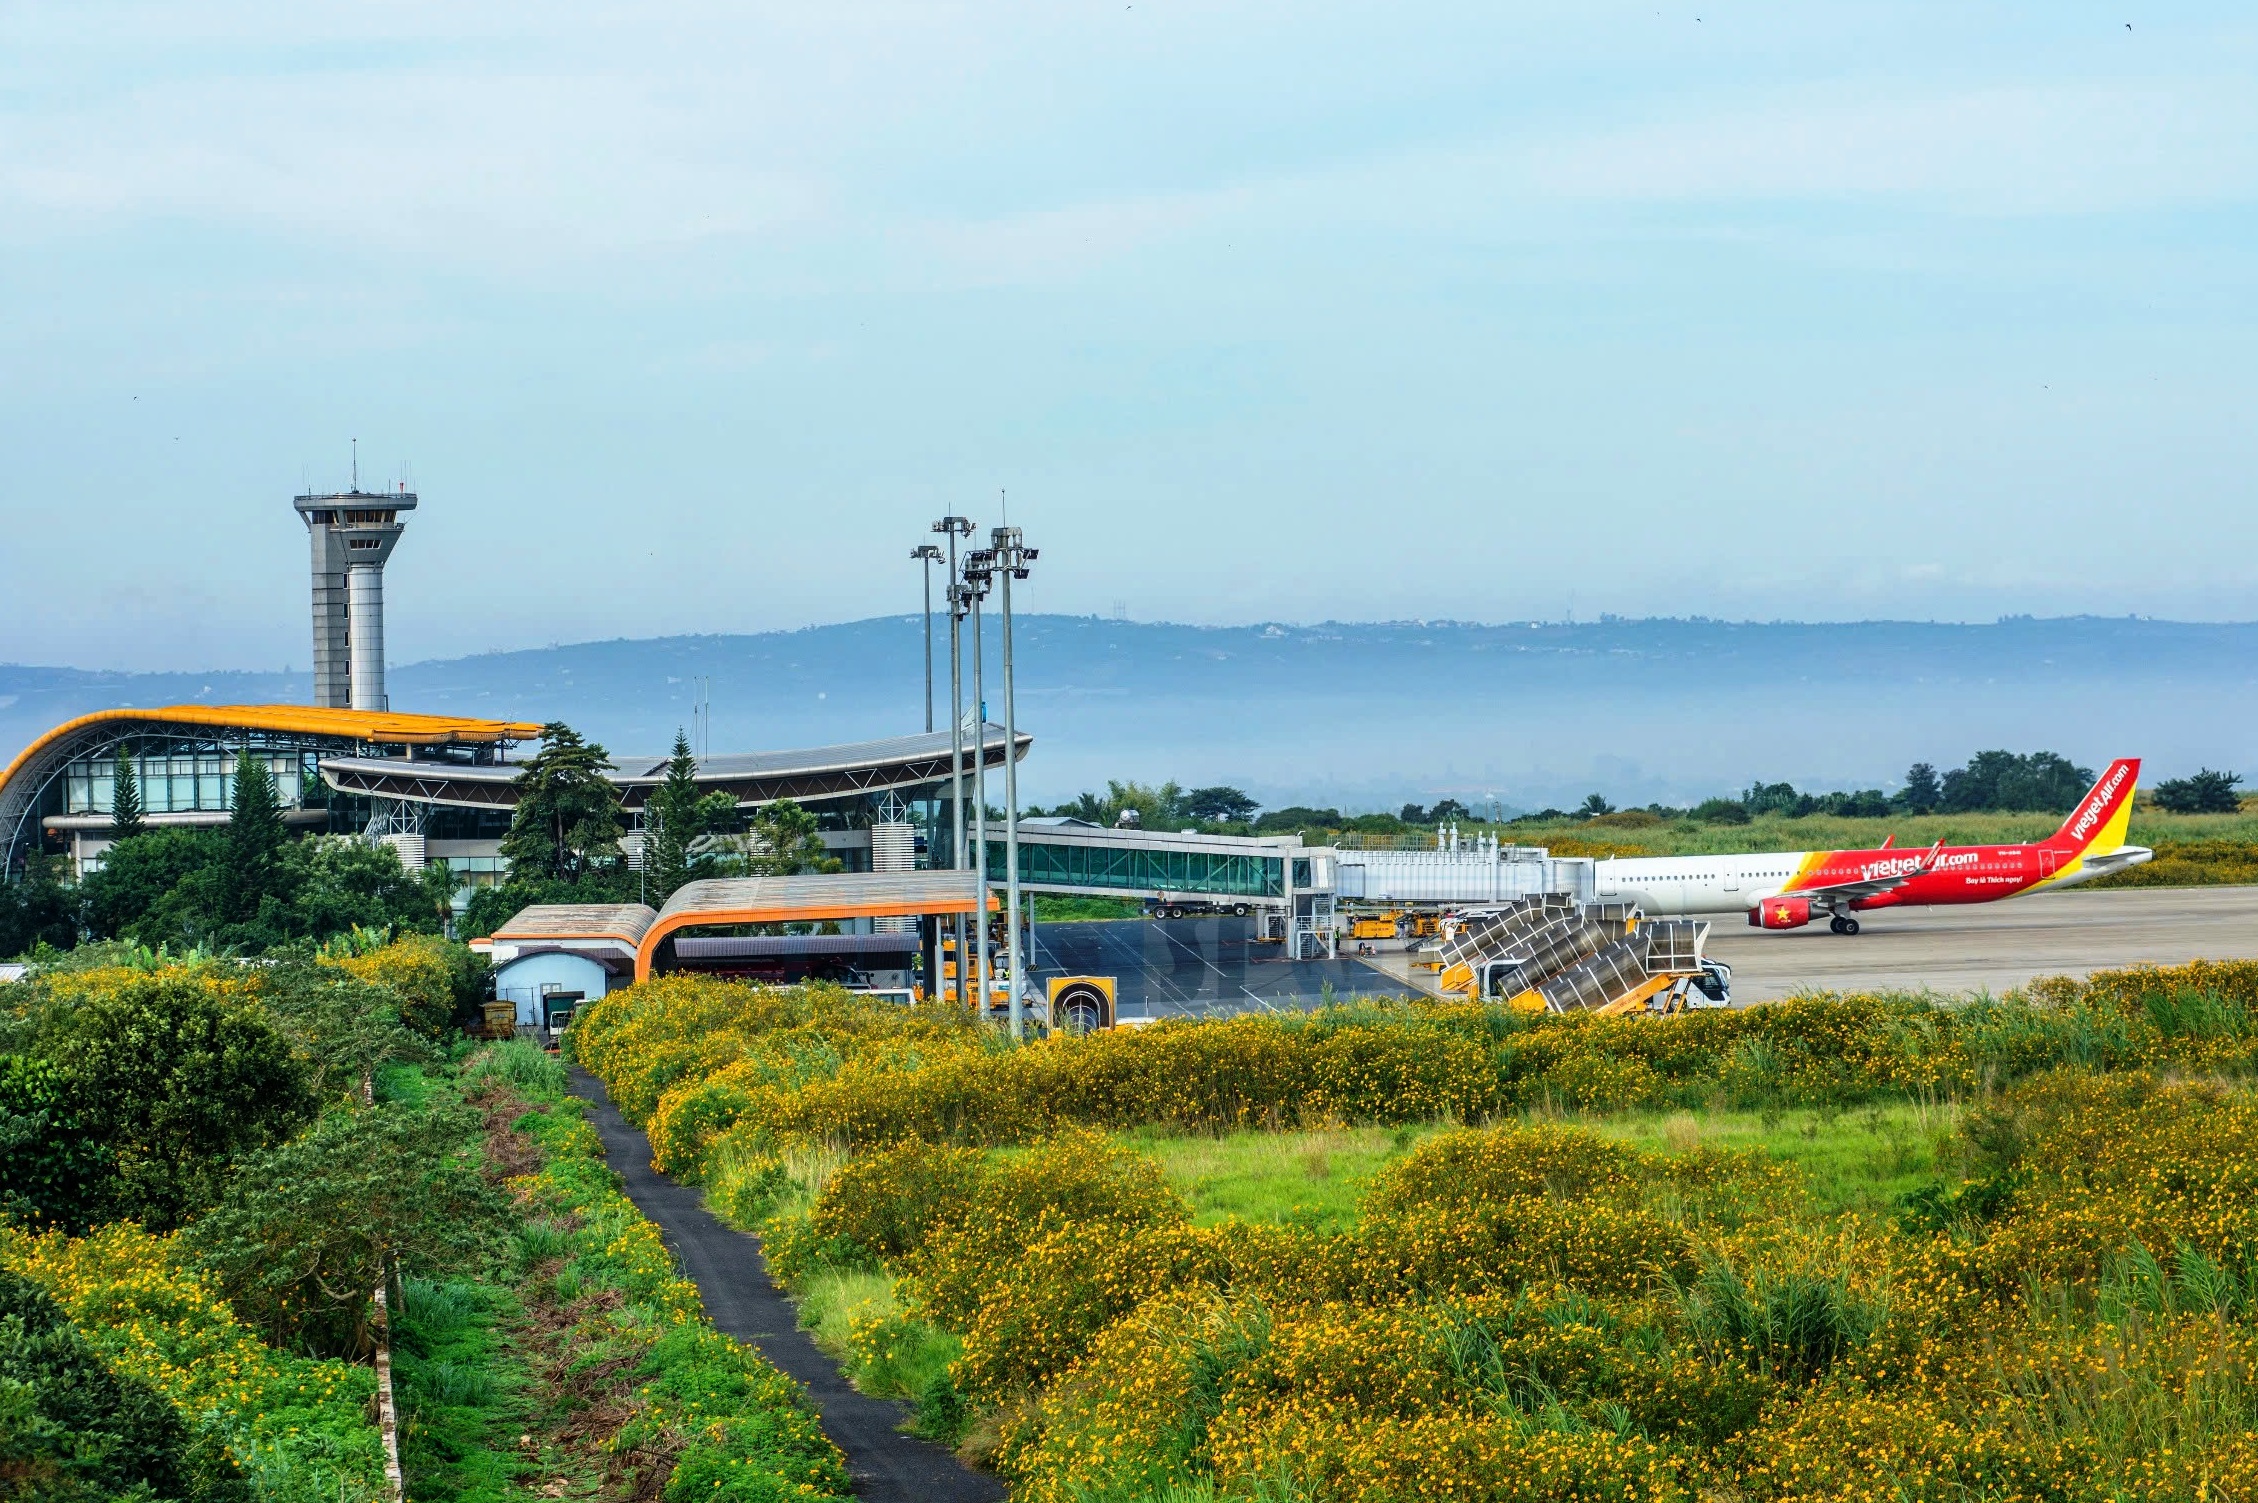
column 1550, row 953
column 1175, row 905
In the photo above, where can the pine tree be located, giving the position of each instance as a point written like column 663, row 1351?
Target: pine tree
column 674, row 819
column 125, row 800
column 254, row 840
column 567, row 818
column 2206, row 792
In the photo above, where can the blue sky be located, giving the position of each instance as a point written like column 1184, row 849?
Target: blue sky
column 689, row 318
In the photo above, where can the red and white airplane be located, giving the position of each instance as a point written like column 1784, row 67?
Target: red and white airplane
column 1788, row 889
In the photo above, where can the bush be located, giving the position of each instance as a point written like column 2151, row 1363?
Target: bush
column 52, row 1165
column 299, row 1429
column 341, row 1029
column 298, row 1239
column 176, row 1079
column 1721, row 811
column 435, row 979
column 1459, row 1170
column 69, row 1428
column 890, row 1201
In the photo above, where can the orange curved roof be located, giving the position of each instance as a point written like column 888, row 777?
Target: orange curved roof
column 356, row 725
column 811, row 899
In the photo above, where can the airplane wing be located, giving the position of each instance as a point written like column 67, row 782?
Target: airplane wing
column 1867, row 887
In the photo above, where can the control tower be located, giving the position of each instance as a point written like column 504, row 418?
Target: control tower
column 353, row 533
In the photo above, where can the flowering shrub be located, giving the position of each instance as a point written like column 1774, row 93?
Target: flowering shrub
column 889, row 1201
column 701, row 1060
column 433, row 978
column 297, row 1426
column 1531, row 1311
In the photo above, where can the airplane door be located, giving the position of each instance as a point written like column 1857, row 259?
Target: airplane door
column 1732, row 878
column 2049, row 862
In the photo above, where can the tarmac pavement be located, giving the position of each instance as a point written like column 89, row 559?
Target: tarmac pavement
column 1993, row 946
column 1981, row 947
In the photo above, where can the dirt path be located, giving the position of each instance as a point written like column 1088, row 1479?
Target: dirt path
column 732, row 1279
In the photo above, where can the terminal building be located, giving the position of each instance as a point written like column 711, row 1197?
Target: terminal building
column 434, row 787
column 443, row 788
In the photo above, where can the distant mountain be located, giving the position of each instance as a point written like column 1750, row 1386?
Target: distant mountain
column 1368, row 715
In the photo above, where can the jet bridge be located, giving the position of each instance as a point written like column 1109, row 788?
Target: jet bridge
column 1287, row 886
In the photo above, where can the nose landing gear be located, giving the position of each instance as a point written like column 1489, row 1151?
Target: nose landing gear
column 1840, row 924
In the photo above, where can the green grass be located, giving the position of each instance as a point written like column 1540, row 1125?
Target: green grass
column 901, row 1357
column 1074, row 910
column 832, row 1297
column 1863, row 1160
column 460, row 1396
column 1314, row 1178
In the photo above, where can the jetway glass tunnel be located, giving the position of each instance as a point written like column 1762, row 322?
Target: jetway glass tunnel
column 1129, row 870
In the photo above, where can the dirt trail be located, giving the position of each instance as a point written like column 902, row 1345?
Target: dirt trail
column 732, row 1279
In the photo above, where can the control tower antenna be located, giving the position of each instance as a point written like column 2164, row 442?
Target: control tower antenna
column 353, row 533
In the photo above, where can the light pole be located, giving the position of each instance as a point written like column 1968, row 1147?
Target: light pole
column 956, row 527
column 979, row 570
column 1012, row 559
column 929, row 556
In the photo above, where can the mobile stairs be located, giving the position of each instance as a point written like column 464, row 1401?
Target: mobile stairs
column 1550, row 953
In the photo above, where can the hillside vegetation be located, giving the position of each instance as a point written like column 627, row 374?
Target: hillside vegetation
column 208, row 1167
column 1841, row 1247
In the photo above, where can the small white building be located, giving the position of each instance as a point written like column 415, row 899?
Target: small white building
column 563, row 955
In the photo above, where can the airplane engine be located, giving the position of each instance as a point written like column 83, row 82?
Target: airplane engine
column 1780, row 913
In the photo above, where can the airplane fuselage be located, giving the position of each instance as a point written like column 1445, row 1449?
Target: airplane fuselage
column 1788, row 889
column 1675, row 885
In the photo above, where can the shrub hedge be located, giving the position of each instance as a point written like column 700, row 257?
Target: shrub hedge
column 1524, row 1310
column 702, row 1061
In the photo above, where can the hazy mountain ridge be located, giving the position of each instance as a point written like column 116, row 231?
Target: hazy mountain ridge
column 1368, row 713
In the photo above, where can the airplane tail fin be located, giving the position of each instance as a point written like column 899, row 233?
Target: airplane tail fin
column 2099, row 822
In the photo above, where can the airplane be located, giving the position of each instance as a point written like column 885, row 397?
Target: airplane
column 1788, row 889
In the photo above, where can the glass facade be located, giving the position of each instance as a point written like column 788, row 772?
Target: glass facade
column 182, row 782
column 1142, row 870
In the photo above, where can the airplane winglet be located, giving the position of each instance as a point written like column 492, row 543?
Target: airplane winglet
column 1889, row 842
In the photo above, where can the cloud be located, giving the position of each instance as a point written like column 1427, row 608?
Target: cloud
column 2014, row 149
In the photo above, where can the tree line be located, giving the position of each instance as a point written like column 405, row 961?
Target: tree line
column 1989, row 782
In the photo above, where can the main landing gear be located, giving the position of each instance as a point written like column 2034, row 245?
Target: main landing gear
column 1840, row 924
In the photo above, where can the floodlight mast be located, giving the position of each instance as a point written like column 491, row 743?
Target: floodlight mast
column 979, row 571
column 956, row 527
column 928, row 555
column 1012, row 559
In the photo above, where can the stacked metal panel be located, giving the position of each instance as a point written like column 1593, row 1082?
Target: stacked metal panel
column 1575, row 956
